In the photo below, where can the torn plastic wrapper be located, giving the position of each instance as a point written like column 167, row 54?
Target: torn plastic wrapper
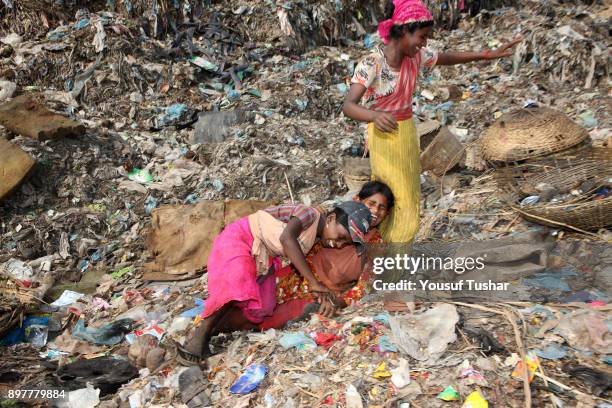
column 475, row 400
column 249, row 380
column 152, row 329
column 449, row 394
column 326, row 340
column 381, row 371
column 298, row 340
column 532, row 366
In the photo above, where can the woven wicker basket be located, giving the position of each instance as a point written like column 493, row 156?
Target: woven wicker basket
column 15, row 300
column 357, row 172
column 426, row 131
column 530, row 132
column 11, row 313
column 565, row 174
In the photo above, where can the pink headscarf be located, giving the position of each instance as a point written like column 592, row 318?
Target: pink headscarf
column 406, row 11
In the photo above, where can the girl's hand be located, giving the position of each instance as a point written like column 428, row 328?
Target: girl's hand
column 317, row 287
column 385, row 122
column 503, row 51
column 327, row 308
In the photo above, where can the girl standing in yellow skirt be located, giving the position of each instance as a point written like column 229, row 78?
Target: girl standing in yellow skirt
column 387, row 79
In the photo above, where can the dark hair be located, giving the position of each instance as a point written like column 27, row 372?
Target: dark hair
column 398, row 31
column 341, row 217
column 375, row 187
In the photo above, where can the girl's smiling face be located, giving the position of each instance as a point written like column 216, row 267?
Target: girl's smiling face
column 334, row 235
column 411, row 43
column 378, row 206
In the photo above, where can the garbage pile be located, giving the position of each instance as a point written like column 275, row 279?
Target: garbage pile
column 135, row 105
column 384, row 351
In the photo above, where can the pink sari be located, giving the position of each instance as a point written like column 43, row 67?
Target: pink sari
column 232, row 275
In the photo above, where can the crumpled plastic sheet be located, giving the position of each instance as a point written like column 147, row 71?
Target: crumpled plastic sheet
column 299, row 340
column 108, row 335
column 552, row 351
column 83, row 398
column 586, row 330
column 425, row 336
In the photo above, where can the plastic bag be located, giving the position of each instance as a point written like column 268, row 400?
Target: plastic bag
column 298, row 340
column 249, row 380
column 108, row 335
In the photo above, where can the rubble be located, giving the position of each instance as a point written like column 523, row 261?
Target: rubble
column 207, row 109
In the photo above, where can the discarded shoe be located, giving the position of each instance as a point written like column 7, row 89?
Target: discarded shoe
column 192, row 386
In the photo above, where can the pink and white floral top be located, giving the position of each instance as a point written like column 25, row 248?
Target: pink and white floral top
column 381, row 80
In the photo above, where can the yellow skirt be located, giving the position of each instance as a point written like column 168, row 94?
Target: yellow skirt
column 394, row 158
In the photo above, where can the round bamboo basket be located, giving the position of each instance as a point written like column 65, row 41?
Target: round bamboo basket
column 357, row 172
column 529, row 133
column 581, row 212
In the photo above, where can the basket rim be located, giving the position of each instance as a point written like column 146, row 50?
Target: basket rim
column 507, row 142
column 559, row 206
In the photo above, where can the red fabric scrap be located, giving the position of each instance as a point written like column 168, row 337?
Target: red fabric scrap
column 326, row 340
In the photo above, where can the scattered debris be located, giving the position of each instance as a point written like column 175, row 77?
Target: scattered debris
column 192, row 114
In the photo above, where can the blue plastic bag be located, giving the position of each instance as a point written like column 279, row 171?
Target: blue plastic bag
column 382, row 318
column 249, row 380
column 171, row 114
column 32, row 330
column 82, row 23
column 198, row 310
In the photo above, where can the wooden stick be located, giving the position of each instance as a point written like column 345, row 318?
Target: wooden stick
column 469, row 344
column 307, row 392
column 487, row 214
column 568, row 388
column 289, row 187
column 581, row 305
column 483, row 308
column 519, row 343
column 505, row 230
column 541, row 370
